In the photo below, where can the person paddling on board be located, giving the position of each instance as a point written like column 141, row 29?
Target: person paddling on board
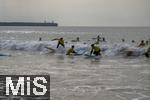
column 142, row 44
column 71, row 51
column 95, row 50
column 147, row 54
column 61, row 42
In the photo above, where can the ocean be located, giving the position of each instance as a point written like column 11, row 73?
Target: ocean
column 113, row 77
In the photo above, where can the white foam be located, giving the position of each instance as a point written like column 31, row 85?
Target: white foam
column 108, row 49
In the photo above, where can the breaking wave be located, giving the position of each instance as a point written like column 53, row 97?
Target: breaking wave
column 39, row 46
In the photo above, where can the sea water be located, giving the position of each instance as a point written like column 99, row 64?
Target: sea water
column 113, row 77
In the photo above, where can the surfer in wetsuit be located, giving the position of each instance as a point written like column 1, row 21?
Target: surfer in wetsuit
column 95, row 50
column 40, row 38
column 61, row 42
column 78, row 39
column 98, row 39
column 103, row 39
column 142, row 44
column 123, row 40
column 133, row 41
column 147, row 43
column 147, row 54
column 71, row 50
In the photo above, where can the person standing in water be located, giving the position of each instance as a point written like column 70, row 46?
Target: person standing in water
column 61, row 42
column 133, row 41
column 78, row 39
column 40, row 38
column 71, row 51
column 147, row 43
column 98, row 38
column 142, row 44
column 123, row 40
column 95, row 50
column 103, row 39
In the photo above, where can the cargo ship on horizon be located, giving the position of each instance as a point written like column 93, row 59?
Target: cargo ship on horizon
column 28, row 24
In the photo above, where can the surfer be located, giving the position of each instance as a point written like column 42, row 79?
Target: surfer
column 71, row 51
column 103, row 39
column 40, row 38
column 123, row 40
column 147, row 43
column 133, row 41
column 142, row 44
column 95, row 50
column 78, row 39
column 147, row 54
column 61, row 42
column 98, row 38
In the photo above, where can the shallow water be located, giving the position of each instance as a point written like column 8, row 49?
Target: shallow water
column 76, row 78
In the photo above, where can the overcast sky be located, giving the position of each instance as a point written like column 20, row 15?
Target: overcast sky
column 78, row 12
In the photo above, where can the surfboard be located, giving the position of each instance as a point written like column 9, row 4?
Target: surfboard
column 135, row 52
column 51, row 49
column 80, row 51
column 56, row 50
column 4, row 54
column 88, row 56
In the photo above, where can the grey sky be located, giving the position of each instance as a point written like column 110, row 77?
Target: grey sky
column 78, row 12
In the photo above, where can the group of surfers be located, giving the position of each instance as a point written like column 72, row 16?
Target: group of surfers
column 95, row 49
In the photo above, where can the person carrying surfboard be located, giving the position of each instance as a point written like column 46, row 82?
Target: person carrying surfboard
column 147, row 53
column 71, row 51
column 95, row 50
column 61, row 42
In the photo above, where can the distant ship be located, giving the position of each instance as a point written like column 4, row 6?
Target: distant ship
column 28, row 24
